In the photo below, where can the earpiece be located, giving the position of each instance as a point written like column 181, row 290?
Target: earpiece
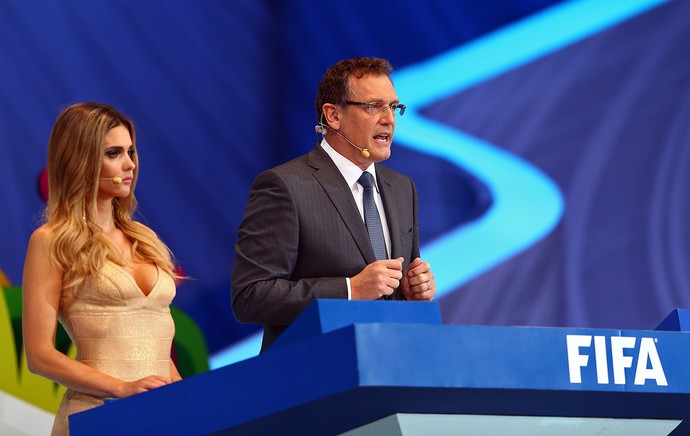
column 321, row 128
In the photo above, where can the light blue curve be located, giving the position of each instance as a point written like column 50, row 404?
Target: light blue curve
column 527, row 204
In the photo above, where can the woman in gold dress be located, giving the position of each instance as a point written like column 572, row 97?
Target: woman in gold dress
column 108, row 279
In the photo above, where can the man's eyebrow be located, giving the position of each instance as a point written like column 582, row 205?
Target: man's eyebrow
column 381, row 100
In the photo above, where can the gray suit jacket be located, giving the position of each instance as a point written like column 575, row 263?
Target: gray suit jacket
column 302, row 235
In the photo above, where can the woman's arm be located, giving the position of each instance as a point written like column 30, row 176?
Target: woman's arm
column 174, row 373
column 41, row 290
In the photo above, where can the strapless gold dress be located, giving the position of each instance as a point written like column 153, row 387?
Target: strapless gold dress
column 118, row 330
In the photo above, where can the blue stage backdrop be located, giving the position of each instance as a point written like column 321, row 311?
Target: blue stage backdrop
column 548, row 139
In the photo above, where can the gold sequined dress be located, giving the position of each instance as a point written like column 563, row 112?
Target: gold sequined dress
column 118, row 330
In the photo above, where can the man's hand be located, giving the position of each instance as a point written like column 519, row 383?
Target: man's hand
column 377, row 279
column 418, row 282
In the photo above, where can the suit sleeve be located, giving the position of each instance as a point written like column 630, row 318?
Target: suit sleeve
column 267, row 249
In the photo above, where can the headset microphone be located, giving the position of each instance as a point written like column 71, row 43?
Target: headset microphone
column 116, row 180
column 321, row 128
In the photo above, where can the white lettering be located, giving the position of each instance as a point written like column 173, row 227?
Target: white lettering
column 601, row 360
column 576, row 361
column 648, row 353
column 648, row 367
column 618, row 358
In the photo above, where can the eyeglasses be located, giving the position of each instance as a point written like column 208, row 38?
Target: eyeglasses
column 378, row 108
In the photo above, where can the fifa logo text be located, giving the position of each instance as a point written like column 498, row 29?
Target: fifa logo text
column 648, row 365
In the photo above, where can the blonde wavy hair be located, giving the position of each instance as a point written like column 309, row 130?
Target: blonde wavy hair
column 76, row 150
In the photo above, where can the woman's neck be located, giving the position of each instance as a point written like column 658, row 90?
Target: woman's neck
column 104, row 215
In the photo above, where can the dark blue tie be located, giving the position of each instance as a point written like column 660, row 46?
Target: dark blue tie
column 371, row 217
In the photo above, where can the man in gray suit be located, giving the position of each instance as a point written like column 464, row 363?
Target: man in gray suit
column 303, row 235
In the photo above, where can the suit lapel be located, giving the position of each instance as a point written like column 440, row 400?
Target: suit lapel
column 334, row 185
column 390, row 204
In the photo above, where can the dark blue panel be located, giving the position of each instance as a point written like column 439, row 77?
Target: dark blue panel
column 677, row 321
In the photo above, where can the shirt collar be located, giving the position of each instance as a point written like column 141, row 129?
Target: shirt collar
column 347, row 168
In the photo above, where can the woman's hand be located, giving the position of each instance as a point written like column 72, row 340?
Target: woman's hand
column 142, row 385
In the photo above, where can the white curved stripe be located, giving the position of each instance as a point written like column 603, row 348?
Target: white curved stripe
column 19, row 418
column 527, row 204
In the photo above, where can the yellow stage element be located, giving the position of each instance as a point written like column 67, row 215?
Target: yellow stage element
column 15, row 377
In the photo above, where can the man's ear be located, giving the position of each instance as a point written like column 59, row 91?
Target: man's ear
column 331, row 115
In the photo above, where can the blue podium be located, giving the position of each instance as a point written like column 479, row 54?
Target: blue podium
column 393, row 368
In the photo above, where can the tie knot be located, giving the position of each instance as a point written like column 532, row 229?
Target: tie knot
column 366, row 180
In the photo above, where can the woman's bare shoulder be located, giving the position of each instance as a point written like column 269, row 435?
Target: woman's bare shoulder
column 43, row 234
